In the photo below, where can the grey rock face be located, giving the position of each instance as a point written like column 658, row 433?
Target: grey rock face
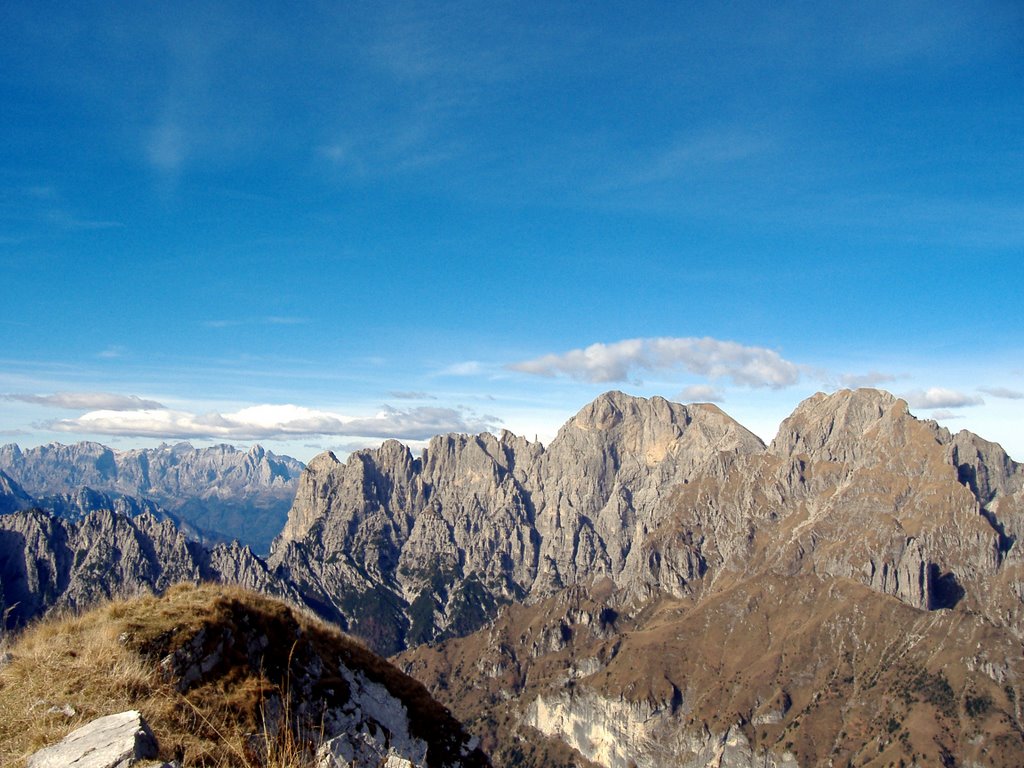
column 635, row 498
column 12, row 496
column 406, row 550
column 656, row 497
column 237, row 494
column 114, row 741
column 47, row 562
column 83, row 501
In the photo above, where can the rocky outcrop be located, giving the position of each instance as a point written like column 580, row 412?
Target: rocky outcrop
column 219, row 490
column 224, row 676
column 114, row 741
column 362, row 710
column 75, row 505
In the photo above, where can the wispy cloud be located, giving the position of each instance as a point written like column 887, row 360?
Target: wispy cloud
column 269, row 320
column 262, row 422
column 745, row 366
column 869, row 379
column 938, row 397
column 411, row 395
column 1003, row 392
column 412, row 146
column 165, row 146
column 945, row 414
column 65, row 220
column 111, row 353
column 696, row 153
column 75, row 401
column 467, row 368
column 419, row 423
column 701, row 393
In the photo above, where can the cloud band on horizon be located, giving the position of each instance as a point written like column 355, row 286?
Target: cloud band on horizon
column 263, row 422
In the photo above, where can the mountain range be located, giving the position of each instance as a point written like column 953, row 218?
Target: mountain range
column 654, row 587
column 217, row 494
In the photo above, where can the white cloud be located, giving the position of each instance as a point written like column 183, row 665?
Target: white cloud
column 263, row 422
column 418, row 423
column 1003, row 392
column 221, row 323
column 107, row 401
column 701, row 393
column 946, row 414
column 744, row 366
column 938, row 397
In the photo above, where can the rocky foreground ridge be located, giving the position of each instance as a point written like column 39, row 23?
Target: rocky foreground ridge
column 216, row 493
column 219, row 677
column 659, row 587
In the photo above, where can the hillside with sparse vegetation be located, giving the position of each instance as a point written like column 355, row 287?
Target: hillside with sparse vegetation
column 224, row 677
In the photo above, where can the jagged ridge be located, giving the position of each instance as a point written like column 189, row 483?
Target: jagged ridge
column 224, row 493
column 658, row 497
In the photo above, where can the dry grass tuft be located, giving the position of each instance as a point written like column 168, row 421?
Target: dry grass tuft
column 107, row 660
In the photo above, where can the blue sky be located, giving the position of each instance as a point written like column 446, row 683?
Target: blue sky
column 320, row 226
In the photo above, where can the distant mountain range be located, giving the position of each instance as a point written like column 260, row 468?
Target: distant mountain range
column 656, row 587
column 217, row 494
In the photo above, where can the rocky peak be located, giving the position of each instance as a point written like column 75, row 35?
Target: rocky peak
column 615, row 412
column 985, row 467
column 832, row 427
column 652, row 429
column 862, row 428
column 478, row 520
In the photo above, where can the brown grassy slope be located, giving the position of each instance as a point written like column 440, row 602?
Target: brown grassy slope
column 856, row 677
column 133, row 655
